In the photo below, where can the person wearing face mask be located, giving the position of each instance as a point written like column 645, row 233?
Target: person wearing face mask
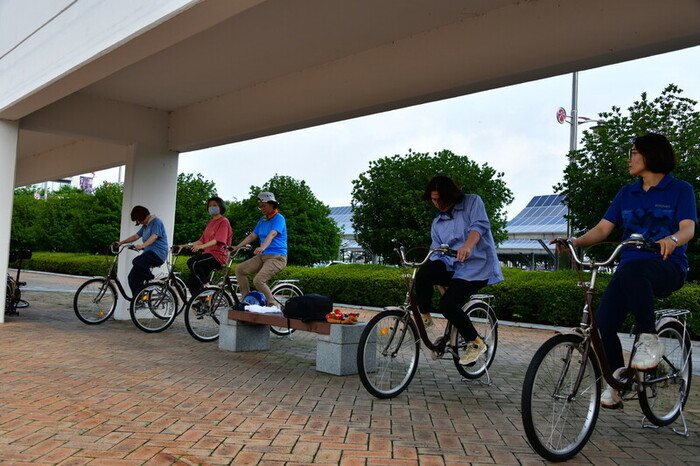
column 271, row 256
column 154, row 246
column 217, row 235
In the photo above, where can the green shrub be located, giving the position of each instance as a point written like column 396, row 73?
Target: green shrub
column 551, row 298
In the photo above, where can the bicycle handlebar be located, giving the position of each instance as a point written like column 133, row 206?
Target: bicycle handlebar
column 444, row 249
column 635, row 240
column 116, row 250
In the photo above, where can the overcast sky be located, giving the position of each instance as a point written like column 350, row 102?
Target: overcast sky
column 513, row 129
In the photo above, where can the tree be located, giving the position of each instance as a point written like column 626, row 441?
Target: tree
column 191, row 210
column 597, row 171
column 312, row 235
column 386, row 198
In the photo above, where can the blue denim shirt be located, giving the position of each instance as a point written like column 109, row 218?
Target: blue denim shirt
column 453, row 229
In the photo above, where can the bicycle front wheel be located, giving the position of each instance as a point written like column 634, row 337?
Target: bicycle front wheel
column 95, row 301
column 666, row 387
column 486, row 324
column 202, row 313
column 387, row 356
column 154, row 307
column 559, row 416
column 282, row 293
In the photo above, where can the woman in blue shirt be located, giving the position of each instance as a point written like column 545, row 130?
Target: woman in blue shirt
column 662, row 209
column 271, row 256
column 461, row 223
column 154, row 246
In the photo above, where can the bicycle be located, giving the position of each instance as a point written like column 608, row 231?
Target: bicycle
column 13, row 288
column 387, row 356
column 562, row 388
column 202, row 311
column 158, row 303
column 96, row 299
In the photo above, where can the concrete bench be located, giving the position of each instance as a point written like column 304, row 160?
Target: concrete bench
column 336, row 351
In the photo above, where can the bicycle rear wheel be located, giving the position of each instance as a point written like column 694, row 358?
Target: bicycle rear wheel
column 95, row 301
column 154, row 307
column 202, row 313
column 387, row 356
column 558, row 418
column 662, row 401
column 486, row 324
column 282, row 293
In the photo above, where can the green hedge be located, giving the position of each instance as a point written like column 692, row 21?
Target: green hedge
column 537, row 297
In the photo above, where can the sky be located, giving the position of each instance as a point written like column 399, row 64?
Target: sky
column 513, row 129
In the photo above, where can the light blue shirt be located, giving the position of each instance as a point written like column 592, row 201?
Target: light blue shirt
column 160, row 245
column 279, row 242
column 453, row 228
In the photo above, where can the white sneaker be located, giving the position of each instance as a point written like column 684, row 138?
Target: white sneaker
column 648, row 352
column 610, row 398
column 472, row 352
column 427, row 320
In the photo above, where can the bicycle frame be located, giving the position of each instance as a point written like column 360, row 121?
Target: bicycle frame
column 111, row 275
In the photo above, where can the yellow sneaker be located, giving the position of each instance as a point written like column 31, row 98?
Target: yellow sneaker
column 427, row 320
column 472, row 352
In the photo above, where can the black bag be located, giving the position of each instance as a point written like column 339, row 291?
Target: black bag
column 308, row 307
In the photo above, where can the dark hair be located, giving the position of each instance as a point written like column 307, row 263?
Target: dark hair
column 657, row 152
column 218, row 200
column 139, row 214
column 448, row 190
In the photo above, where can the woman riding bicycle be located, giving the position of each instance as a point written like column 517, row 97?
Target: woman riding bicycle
column 461, row 223
column 217, row 235
column 271, row 256
column 662, row 209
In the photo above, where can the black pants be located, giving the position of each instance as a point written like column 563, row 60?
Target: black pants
column 141, row 270
column 201, row 267
column 458, row 292
column 633, row 288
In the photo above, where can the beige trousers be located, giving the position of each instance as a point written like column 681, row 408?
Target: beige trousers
column 264, row 266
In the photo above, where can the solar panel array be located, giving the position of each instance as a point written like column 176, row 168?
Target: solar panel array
column 343, row 217
column 543, row 214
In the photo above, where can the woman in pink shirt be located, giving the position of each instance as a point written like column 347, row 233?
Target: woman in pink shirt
column 217, row 235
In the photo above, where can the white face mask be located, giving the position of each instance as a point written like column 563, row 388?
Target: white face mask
column 213, row 210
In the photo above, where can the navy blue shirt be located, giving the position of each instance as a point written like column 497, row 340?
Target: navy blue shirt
column 655, row 214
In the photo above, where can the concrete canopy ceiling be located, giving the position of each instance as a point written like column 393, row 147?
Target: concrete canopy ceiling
column 280, row 65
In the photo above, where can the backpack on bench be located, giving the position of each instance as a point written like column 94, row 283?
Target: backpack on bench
column 308, row 307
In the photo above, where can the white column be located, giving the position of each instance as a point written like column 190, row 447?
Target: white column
column 9, row 134
column 150, row 181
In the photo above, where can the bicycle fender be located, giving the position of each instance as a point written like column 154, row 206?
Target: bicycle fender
column 664, row 320
column 394, row 308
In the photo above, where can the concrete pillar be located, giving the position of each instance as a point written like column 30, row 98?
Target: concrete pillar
column 151, row 181
column 9, row 134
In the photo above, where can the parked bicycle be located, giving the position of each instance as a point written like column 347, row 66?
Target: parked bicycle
column 203, row 310
column 158, row 303
column 387, row 357
column 562, row 387
column 13, row 289
column 96, row 299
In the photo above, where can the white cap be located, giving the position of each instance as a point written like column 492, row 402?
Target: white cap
column 266, row 197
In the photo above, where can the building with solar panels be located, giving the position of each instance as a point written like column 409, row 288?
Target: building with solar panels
column 350, row 250
column 530, row 231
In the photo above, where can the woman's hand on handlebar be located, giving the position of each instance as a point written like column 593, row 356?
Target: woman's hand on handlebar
column 666, row 247
column 463, row 253
column 561, row 243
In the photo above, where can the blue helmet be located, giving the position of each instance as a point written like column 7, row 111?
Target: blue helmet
column 255, row 297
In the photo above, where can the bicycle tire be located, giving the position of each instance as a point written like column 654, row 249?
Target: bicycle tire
column 662, row 402
column 202, row 313
column 387, row 356
column 486, row 324
column 558, row 423
column 154, row 307
column 95, row 301
column 282, row 293
column 180, row 293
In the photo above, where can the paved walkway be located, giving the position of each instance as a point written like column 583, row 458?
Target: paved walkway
column 110, row 394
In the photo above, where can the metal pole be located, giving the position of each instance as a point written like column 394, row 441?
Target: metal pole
column 573, row 143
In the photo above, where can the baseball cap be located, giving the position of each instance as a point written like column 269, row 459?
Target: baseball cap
column 266, row 196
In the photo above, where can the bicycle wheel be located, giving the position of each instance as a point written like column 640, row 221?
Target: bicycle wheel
column 180, row 288
column 486, row 325
column 154, row 307
column 282, row 293
column 662, row 402
column 559, row 419
column 387, row 356
column 95, row 301
column 202, row 313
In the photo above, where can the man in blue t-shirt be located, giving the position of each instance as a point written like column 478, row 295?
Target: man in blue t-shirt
column 154, row 246
column 271, row 256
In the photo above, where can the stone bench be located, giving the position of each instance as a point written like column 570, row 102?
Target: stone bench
column 336, row 351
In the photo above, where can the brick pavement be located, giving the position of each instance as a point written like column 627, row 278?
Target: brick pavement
column 110, row 394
